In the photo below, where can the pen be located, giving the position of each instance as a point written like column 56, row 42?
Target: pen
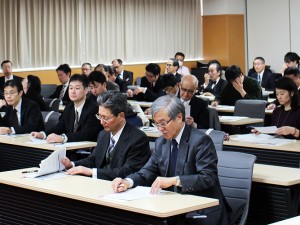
column 30, row 171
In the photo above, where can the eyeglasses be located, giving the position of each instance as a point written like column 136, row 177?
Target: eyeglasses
column 187, row 91
column 105, row 119
column 162, row 124
column 9, row 93
column 169, row 65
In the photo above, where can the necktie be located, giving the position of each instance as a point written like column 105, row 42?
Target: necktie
column 15, row 119
column 173, row 158
column 258, row 78
column 76, row 122
column 213, row 82
column 62, row 92
column 110, row 150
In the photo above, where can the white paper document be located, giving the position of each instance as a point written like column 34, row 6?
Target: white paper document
column 132, row 194
column 266, row 130
column 51, row 164
column 231, row 118
column 150, row 129
column 261, row 139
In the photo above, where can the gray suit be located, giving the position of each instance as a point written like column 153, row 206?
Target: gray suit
column 129, row 155
column 196, row 166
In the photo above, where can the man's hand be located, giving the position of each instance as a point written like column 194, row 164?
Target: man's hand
column 38, row 135
column 238, row 85
column 67, row 163
column 5, row 130
column 119, row 185
column 80, row 170
column 138, row 90
column 285, row 130
column 54, row 138
column 162, row 182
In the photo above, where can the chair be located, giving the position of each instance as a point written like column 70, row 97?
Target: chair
column 235, row 172
column 52, row 104
column 214, row 121
column 217, row 138
column 47, row 89
column 50, row 118
column 251, row 108
column 138, row 81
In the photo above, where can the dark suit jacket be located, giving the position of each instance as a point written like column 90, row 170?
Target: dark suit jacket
column 128, row 77
column 268, row 79
column 122, row 84
column 31, row 118
column 37, row 98
column 178, row 77
column 196, row 166
column 88, row 127
column 129, row 155
column 199, row 111
column 65, row 99
column 218, row 88
column 2, row 81
column 152, row 93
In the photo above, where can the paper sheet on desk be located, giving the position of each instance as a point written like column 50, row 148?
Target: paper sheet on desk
column 150, row 129
column 51, row 164
column 261, row 139
column 132, row 194
column 231, row 118
column 266, row 130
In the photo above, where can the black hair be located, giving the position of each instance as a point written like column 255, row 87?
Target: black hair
column 34, row 84
column 115, row 101
column 291, row 71
column 287, row 84
column 153, row 68
column 169, row 80
column 6, row 61
column 81, row 78
column 232, row 73
column 13, row 83
column 65, row 68
column 97, row 76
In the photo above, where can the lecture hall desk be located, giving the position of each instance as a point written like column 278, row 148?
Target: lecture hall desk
column 17, row 153
column 76, row 200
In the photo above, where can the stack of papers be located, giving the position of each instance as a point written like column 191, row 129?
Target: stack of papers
column 150, row 129
column 231, row 118
column 266, row 130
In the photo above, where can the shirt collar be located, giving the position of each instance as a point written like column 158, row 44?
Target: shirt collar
column 10, row 77
column 79, row 109
column 179, row 135
column 18, row 107
column 118, row 134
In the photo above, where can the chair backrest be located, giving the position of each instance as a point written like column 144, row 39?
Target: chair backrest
column 214, row 121
column 235, row 172
column 50, row 118
column 138, row 81
column 52, row 104
column 47, row 89
column 253, row 108
column 217, row 137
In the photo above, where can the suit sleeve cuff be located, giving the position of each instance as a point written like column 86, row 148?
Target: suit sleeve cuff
column 94, row 175
column 130, row 182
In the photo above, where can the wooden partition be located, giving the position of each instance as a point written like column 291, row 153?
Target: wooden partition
column 50, row 77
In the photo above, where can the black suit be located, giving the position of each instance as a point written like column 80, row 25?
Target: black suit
column 178, row 77
column 127, row 77
column 2, row 81
column 88, row 127
column 268, row 79
column 196, row 167
column 130, row 153
column 199, row 112
column 122, row 84
column 31, row 118
column 218, row 88
column 152, row 92
column 65, row 99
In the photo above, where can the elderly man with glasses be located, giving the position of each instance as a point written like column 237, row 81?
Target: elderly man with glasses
column 121, row 148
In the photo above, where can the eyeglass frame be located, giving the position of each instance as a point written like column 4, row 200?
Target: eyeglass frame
column 9, row 93
column 104, row 119
column 158, row 125
column 187, row 91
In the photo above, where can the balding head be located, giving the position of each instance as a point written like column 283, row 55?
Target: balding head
column 188, row 87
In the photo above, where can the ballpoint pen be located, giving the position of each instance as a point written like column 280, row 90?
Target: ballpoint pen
column 30, row 171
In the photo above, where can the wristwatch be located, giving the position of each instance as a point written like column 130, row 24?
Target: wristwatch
column 178, row 182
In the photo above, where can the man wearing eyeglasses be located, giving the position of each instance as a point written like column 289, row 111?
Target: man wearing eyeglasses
column 184, row 161
column 22, row 115
column 78, row 121
column 196, row 109
column 125, row 75
column 6, row 67
column 172, row 66
column 121, row 149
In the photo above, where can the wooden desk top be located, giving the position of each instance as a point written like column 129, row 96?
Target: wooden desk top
column 230, row 109
column 24, row 140
column 240, row 122
column 142, row 104
column 277, row 175
column 88, row 190
column 291, row 221
column 290, row 147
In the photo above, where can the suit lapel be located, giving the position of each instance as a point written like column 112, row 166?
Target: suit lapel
column 166, row 150
column 71, row 116
column 183, row 150
column 105, row 144
column 83, row 114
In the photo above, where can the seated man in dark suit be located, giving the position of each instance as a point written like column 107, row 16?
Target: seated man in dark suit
column 22, row 115
column 184, row 161
column 196, row 109
column 111, row 74
column 6, row 66
column 238, row 87
column 121, row 149
column 61, row 91
column 264, row 76
column 151, row 85
column 172, row 67
column 213, row 84
column 125, row 75
column 78, row 121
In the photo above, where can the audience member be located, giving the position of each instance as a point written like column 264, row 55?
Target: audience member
column 238, row 87
column 151, row 85
column 286, row 117
column 22, row 115
column 214, row 84
column 121, row 149
column 172, row 67
column 125, row 75
column 264, row 76
column 116, row 79
column 109, row 85
column 32, row 90
column 61, row 92
column 78, row 121
column 291, row 59
column 6, row 67
column 170, row 84
column 86, row 69
column 182, row 70
column 184, row 161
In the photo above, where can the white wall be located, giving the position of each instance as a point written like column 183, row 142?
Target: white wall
column 221, row 7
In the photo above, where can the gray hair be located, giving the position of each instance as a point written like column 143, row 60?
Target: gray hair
column 115, row 101
column 172, row 104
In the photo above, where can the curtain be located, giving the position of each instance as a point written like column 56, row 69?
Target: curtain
column 47, row 33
